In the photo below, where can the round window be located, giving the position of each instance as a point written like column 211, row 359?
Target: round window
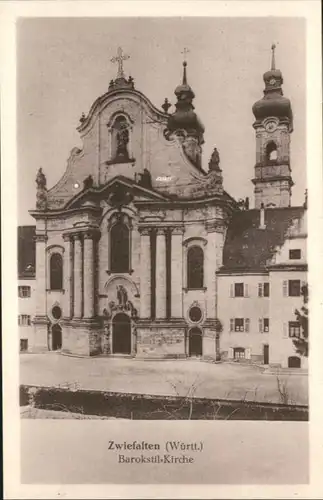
column 195, row 314
column 56, row 312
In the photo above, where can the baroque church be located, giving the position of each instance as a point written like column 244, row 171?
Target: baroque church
column 139, row 251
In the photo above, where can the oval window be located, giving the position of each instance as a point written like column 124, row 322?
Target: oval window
column 56, row 312
column 195, row 314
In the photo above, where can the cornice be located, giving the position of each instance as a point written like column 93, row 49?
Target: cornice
column 103, row 101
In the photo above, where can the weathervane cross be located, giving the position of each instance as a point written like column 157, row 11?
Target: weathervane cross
column 185, row 51
column 273, row 64
column 119, row 58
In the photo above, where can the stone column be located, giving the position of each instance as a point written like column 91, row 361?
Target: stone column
column 145, row 273
column 41, row 266
column 88, row 275
column 68, row 277
column 78, row 265
column 177, row 272
column 161, row 274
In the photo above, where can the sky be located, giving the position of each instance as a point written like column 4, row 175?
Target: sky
column 64, row 65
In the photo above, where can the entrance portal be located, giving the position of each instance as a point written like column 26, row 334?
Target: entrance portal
column 195, row 342
column 121, row 334
column 294, row 362
column 56, row 337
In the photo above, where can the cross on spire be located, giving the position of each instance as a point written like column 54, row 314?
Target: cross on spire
column 119, row 58
column 273, row 65
column 185, row 51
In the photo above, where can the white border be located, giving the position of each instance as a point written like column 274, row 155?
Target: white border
column 9, row 11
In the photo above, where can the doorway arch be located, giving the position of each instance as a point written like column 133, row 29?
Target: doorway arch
column 121, row 334
column 56, row 337
column 294, row 362
column 195, row 342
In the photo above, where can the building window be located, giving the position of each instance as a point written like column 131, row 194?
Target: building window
column 295, row 254
column 195, row 271
column 23, row 345
column 24, row 291
column 239, row 353
column 294, row 329
column 238, row 290
column 264, row 325
column 263, row 289
column 56, row 272
column 294, row 288
column 120, row 248
column 24, row 320
column 239, row 325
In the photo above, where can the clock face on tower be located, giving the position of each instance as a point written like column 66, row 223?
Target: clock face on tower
column 270, row 126
column 272, row 81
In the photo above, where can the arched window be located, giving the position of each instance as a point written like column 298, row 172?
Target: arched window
column 271, row 151
column 120, row 248
column 195, row 265
column 56, row 272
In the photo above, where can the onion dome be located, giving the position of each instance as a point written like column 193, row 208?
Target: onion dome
column 184, row 117
column 273, row 103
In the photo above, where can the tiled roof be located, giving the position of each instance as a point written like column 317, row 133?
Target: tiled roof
column 26, row 252
column 247, row 247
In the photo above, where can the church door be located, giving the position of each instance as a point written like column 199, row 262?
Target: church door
column 56, row 337
column 121, row 334
column 195, row 342
column 266, row 354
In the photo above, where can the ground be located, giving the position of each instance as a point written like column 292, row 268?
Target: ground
column 171, row 377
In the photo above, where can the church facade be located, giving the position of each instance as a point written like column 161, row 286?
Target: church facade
column 141, row 252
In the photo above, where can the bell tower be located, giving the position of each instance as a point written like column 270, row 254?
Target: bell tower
column 274, row 124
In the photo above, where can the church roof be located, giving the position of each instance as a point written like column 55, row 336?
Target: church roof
column 247, row 246
column 26, row 251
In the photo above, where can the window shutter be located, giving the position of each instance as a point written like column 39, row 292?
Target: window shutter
column 230, row 353
column 248, row 353
column 261, row 327
column 246, row 290
column 260, row 289
column 231, row 290
column 285, row 331
column 285, row 288
column 231, row 324
column 247, row 324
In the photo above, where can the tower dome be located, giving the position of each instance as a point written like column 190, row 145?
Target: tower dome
column 185, row 117
column 273, row 103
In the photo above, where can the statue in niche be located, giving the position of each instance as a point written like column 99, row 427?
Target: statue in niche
column 122, row 138
column 214, row 163
column 122, row 296
column 41, row 193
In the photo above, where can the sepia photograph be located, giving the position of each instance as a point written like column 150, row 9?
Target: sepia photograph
column 162, row 269
column 167, row 200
